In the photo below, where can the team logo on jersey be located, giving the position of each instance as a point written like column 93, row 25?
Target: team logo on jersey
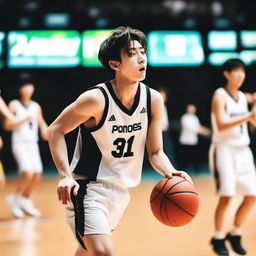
column 143, row 110
column 112, row 118
column 126, row 128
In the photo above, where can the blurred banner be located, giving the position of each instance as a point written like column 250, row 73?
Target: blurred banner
column 92, row 40
column 43, row 49
column 175, row 48
column 2, row 36
column 66, row 49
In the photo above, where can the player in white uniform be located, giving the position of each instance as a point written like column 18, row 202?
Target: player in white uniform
column 231, row 158
column 25, row 149
column 8, row 117
column 116, row 120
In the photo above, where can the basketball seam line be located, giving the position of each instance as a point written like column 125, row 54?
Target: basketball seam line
column 180, row 192
column 180, row 207
column 167, row 190
column 175, row 185
column 159, row 192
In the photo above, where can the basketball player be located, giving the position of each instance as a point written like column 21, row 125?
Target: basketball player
column 8, row 117
column 188, row 139
column 116, row 119
column 167, row 140
column 25, row 149
column 233, row 163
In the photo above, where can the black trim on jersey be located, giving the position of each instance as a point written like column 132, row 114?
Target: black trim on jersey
column 90, row 156
column 236, row 100
column 78, row 203
column 148, row 104
column 105, row 112
column 119, row 103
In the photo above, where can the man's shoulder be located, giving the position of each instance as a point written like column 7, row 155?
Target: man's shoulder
column 94, row 94
column 14, row 102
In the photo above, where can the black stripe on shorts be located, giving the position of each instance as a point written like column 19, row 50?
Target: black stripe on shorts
column 215, row 171
column 78, row 203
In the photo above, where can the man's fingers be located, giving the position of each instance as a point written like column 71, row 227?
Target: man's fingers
column 59, row 194
column 63, row 196
column 76, row 188
column 67, row 190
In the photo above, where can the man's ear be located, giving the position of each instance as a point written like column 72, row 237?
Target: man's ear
column 115, row 65
column 225, row 74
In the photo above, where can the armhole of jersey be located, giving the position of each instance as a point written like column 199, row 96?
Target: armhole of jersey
column 105, row 112
column 148, row 104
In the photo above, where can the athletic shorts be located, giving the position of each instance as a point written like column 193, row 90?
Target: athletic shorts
column 97, row 209
column 233, row 169
column 27, row 156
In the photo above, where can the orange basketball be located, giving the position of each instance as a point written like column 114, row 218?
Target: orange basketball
column 174, row 201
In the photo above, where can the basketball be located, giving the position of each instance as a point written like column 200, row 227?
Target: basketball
column 174, row 201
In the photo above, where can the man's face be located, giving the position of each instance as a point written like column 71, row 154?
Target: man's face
column 27, row 90
column 235, row 77
column 134, row 65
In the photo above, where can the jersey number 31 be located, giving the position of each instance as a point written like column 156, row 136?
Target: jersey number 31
column 120, row 144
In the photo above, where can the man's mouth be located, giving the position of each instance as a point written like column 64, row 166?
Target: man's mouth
column 142, row 69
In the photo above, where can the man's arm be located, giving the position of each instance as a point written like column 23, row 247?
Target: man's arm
column 154, row 144
column 205, row 131
column 88, row 105
column 11, row 124
column 223, row 122
column 5, row 111
column 42, row 124
column 250, row 97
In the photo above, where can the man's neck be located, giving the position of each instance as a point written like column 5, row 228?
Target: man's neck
column 232, row 90
column 125, row 90
column 25, row 101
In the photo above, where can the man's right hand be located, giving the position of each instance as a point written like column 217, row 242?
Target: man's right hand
column 64, row 189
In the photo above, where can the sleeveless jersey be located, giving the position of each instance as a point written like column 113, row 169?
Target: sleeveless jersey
column 113, row 151
column 27, row 132
column 238, row 135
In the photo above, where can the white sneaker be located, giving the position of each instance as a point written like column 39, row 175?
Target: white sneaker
column 13, row 202
column 27, row 206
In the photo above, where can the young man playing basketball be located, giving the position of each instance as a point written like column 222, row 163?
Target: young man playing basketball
column 28, row 114
column 116, row 119
column 233, row 163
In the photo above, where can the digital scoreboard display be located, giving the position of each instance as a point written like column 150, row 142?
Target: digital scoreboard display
column 175, row 48
column 222, row 40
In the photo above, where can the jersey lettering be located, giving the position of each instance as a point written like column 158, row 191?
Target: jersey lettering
column 126, row 128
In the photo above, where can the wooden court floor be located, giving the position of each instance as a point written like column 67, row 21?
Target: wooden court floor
column 138, row 234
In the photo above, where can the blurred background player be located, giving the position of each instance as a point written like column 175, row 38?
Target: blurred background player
column 7, row 115
column 2, row 177
column 231, row 158
column 25, row 147
column 190, row 129
column 167, row 140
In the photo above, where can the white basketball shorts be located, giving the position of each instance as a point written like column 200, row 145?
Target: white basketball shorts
column 27, row 156
column 97, row 209
column 233, row 169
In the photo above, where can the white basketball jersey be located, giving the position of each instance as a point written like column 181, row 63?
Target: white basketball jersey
column 238, row 135
column 113, row 151
column 27, row 132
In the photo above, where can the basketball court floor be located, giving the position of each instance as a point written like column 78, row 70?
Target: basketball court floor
column 138, row 234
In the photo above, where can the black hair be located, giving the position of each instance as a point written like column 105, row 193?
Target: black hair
column 25, row 78
column 120, row 39
column 231, row 64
